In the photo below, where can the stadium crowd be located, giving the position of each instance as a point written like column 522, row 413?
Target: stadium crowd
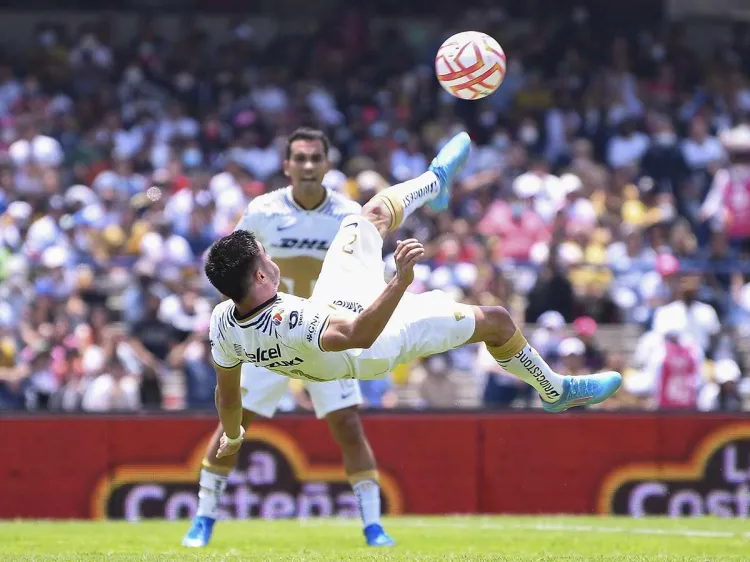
column 584, row 209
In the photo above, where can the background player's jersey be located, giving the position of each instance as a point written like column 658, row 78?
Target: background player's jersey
column 282, row 335
column 296, row 239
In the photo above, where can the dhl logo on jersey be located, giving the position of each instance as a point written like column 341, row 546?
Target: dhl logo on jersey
column 302, row 244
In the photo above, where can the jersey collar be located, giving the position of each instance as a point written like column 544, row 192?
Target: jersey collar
column 293, row 202
column 255, row 311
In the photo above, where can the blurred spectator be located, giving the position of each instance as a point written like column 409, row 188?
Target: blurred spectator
column 113, row 389
column 723, row 393
column 192, row 356
column 628, row 146
column 437, row 389
column 547, row 337
column 585, row 329
column 728, row 202
column 674, row 374
column 517, row 226
column 553, row 292
column 687, row 315
column 572, row 354
column 378, row 393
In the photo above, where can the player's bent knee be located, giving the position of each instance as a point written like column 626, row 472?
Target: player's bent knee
column 494, row 325
column 346, row 426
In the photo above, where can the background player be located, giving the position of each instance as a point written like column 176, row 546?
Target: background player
column 308, row 333
column 296, row 225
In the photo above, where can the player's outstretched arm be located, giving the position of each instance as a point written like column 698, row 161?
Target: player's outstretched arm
column 360, row 333
column 229, row 405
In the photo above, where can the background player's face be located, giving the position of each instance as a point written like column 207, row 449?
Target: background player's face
column 307, row 164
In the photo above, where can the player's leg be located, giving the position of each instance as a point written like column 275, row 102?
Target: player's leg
column 211, row 485
column 261, row 392
column 388, row 209
column 338, row 402
column 434, row 323
column 506, row 343
column 356, row 251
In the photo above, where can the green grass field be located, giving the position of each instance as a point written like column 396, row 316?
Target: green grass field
column 515, row 539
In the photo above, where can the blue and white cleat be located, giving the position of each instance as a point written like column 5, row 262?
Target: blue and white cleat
column 200, row 532
column 585, row 390
column 375, row 535
column 446, row 165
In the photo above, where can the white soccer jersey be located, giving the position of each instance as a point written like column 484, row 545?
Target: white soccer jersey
column 282, row 335
column 295, row 238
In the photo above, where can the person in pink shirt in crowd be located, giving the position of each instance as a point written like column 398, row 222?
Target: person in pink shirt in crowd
column 728, row 201
column 514, row 222
column 675, row 372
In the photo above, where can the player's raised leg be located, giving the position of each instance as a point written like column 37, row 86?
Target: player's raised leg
column 506, row 343
column 357, row 250
column 388, row 209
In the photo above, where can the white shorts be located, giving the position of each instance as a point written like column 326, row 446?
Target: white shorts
column 353, row 275
column 263, row 389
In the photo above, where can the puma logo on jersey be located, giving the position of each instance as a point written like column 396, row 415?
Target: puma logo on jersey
column 302, row 244
column 459, row 316
column 294, row 362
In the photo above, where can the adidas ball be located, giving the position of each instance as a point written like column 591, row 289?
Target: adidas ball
column 470, row 65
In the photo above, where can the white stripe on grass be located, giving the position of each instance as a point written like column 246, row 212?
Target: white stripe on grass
column 562, row 527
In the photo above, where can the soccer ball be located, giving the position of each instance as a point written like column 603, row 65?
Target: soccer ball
column 470, row 65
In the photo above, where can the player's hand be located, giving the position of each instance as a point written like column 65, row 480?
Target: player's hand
column 408, row 253
column 230, row 446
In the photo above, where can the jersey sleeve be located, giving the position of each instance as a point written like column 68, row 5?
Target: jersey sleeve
column 306, row 323
column 221, row 348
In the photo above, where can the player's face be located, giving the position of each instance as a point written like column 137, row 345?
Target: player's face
column 307, row 164
column 270, row 269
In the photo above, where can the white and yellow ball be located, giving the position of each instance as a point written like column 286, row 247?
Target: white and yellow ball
column 470, row 65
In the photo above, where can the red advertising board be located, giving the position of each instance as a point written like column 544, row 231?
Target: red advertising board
column 638, row 464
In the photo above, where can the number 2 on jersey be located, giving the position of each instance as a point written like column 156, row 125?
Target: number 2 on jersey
column 349, row 246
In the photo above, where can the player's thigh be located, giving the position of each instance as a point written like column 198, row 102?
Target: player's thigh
column 335, row 395
column 434, row 323
column 353, row 268
column 423, row 324
column 261, row 389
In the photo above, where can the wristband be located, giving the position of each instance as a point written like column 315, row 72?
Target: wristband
column 237, row 439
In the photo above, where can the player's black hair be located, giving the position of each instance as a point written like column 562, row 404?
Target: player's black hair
column 308, row 134
column 231, row 261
